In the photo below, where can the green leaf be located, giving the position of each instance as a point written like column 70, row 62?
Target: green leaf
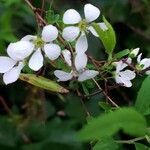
column 139, row 146
column 107, row 125
column 43, row 83
column 121, row 54
column 106, row 144
column 107, row 37
column 105, row 106
column 142, row 103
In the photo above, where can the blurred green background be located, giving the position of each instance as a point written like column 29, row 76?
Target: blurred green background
column 40, row 120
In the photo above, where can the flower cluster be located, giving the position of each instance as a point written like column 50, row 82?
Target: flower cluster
column 123, row 75
column 31, row 49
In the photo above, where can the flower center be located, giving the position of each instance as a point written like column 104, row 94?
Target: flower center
column 83, row 25
column 39, row 43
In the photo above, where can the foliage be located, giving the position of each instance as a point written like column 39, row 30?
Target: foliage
column 40, row 114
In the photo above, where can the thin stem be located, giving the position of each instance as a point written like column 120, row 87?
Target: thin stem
column 105, row 94
column 132, row 141
column 5, row 105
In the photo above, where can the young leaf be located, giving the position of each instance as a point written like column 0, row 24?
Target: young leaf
column 142, row 103
column 107, row 37
column 139, row 146
column 43, row 83
column 106, row 144
column 107, row 125
column 121, row 54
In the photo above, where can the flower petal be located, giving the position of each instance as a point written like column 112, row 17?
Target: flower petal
column 20, row 50
column 145, row 62
column 71, row 16
column 127, row 74
column 139, row 58
column 102, row 25
column 91, row 12
column 80, row 61
column 92, row 30
column 29, row 38
column 126, row 83
column 49, row 33
column 135, row 52
column 120, row 66
column 63, row 76
column 52, row 51
column 67, row 56
column 81, row 44
column 36, row 60
column 87, row 74
column 13, row 75
column 6, row 64
column 70, row 33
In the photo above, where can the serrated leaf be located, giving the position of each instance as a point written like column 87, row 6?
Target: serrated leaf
column 106, row 144
column 142, row 103
column 107, row 37
column 109, row 124
column 43, row 83
column 121, row 54
column 139, row 146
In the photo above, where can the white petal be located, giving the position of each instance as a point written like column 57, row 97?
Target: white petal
column 91, row 12
column 145, row 62
column 49, row 33
column 63, row 76
column 139, row 58
column 71, row 16
column 87, row 74
column 6, row 64
column 67, row 56
column 126, row 83
column 80, row 61
column 127, row 74
column 29, row 38
column 12, row 75
column 147, row 72
column 120, row 66
column 36, row 60
column 92, row 30
column 81, row 44
column 103, row 26
column 135, row 51
column 70, row 33
column 52, row 51
column 20, row 50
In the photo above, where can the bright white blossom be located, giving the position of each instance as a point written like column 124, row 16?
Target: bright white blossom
column 80, row 69
column 142, row 63
column 80, row 26
column 124, row 76
column 45, row 44
column 134, row 52
column 10, row 68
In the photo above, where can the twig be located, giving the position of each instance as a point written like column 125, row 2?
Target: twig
column 105, row 94
column 5, row 105
column 132, row 141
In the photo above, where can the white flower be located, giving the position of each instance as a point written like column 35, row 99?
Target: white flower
column 81, row 72
column 72, row 17
column 134, row 52
column 10, row 68
column 20, row 50
column 44, row 44
column 143, row 63
column 123, row 77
